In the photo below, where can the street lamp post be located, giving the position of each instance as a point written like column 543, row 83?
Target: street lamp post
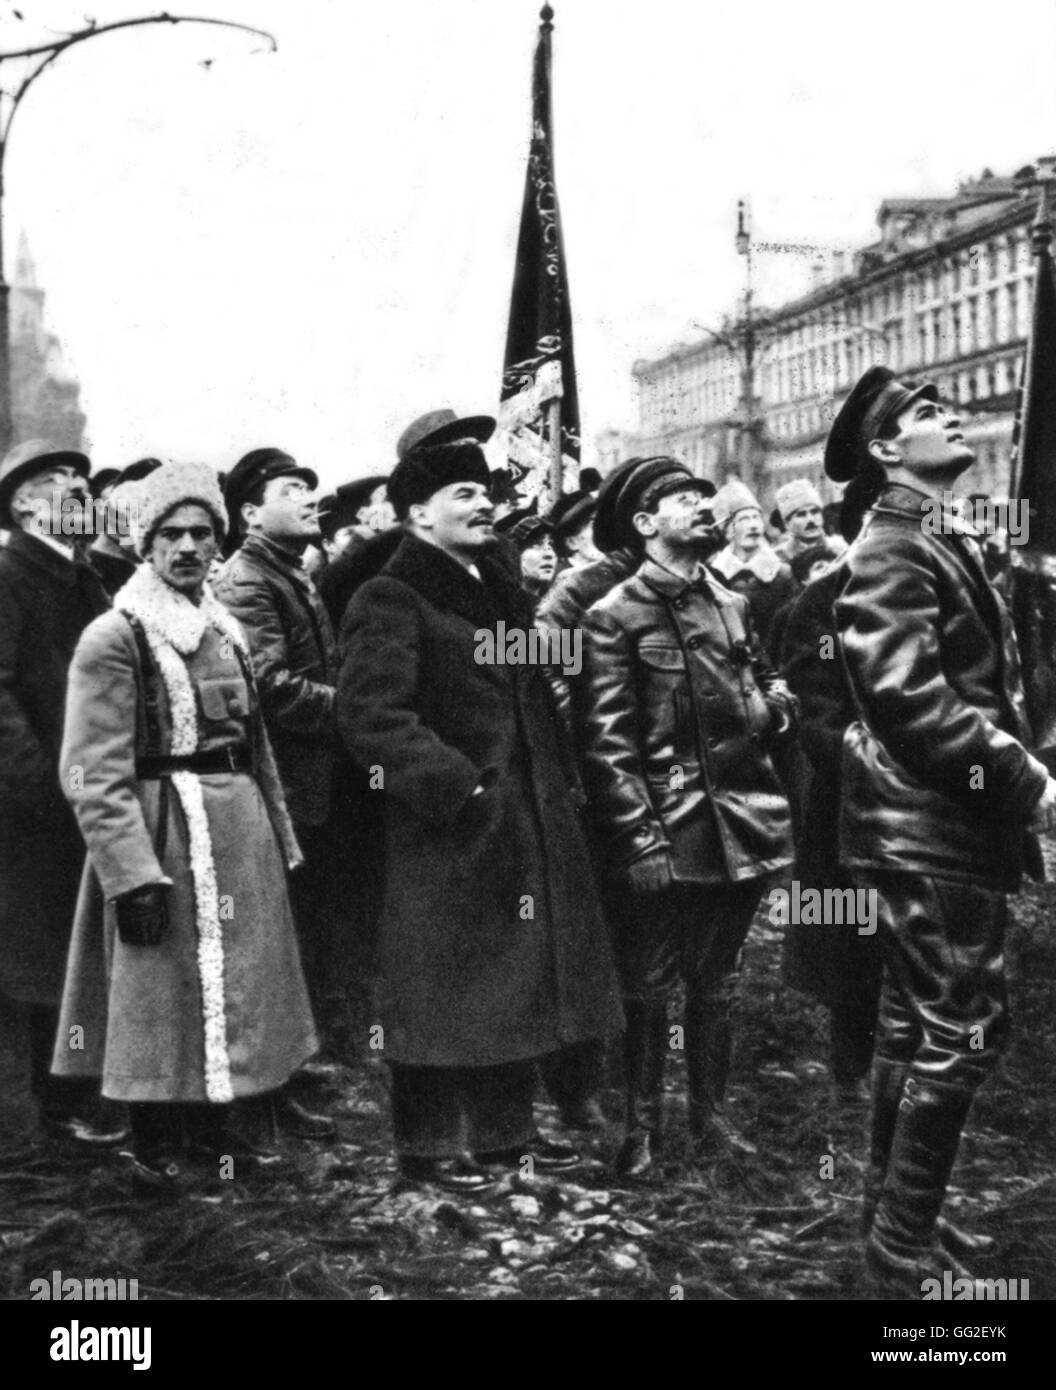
column 47, row 53
column 749, row 441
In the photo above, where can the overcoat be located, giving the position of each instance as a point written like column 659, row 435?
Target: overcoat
column 678, row 710
column 492, row 944
column 46, row 602
column 205, row 1014
column 936, row 777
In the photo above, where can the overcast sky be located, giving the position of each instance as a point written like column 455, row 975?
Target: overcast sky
column 311, row 247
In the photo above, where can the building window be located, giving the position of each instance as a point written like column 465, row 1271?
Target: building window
column 1013, row 310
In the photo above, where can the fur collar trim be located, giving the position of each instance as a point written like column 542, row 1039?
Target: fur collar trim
column 764, row 564
column 447, row 585
column 166, row 614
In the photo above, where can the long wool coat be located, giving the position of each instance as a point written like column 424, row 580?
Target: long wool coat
column 46, row 602
column 219, row 1008
column 492, row 945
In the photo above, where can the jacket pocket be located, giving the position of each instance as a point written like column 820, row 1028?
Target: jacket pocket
column 224, row 697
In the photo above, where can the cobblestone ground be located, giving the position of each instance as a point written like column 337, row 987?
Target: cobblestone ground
column 339, row 1225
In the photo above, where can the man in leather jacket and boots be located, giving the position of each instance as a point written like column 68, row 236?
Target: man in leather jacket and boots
column 940, row 796
column 677, row 711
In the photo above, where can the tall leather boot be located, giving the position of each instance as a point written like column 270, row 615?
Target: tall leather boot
column 708, row 1042
column 644, row 1049
column 903, row 1248
column 888, row 1080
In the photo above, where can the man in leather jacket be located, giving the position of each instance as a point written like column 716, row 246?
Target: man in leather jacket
column 677, row 711
column 272, row 505
column 939, row 798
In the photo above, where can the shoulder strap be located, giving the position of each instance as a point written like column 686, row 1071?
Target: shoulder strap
column 151, row 703
column 151, row 684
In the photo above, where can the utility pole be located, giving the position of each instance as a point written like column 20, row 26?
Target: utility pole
column 9, row 104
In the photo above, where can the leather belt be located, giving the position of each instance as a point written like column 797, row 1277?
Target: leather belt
column 229, row 758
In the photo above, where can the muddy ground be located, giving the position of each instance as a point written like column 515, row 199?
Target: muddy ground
column 340, row 1226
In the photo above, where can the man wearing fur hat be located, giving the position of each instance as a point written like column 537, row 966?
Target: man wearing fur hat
column 748, row 565
column 48, row 596
column 940, row 797
column 678, row 713
column 184, row 988
column 799, row 511
column 493, row 951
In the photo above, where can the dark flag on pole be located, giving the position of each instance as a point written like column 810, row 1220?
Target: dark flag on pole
column 539, row 409
column 1033, row 565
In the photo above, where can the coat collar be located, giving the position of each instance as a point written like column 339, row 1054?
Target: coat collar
column 447, row 585
column 34, row 551
column 172, row 618
column 670, row 585
column 764, row 564
column 259, row 548
column 899, row 500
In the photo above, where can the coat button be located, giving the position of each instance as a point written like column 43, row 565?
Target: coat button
column 236, row 708
column 713, row 743
column 694, row 642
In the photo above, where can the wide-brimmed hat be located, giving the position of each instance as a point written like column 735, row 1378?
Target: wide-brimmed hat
column 29, row 458
column 443, row 427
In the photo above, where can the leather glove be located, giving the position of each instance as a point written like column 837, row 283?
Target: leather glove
column 651, row 873
column 143, row 914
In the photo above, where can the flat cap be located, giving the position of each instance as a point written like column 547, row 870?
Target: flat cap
column 634, row 487
column 257, row 467
column 571, row 512
column 525, row 528
column 875, row 399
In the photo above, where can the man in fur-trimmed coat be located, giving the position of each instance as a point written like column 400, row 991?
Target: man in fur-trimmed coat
column 183, row 988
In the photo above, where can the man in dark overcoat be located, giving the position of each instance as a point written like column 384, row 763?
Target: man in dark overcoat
column 48, row 596
column 493, row 951
column 939, row 798
column 678, row 711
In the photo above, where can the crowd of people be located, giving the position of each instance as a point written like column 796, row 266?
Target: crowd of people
column 255, row 771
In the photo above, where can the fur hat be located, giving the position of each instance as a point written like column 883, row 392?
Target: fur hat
column 796, row 495
column 428, row 468
column 168, row 487
column 731, row 498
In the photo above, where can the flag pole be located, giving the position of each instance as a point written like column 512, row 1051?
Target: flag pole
column 557, row 466
column 553, row 407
